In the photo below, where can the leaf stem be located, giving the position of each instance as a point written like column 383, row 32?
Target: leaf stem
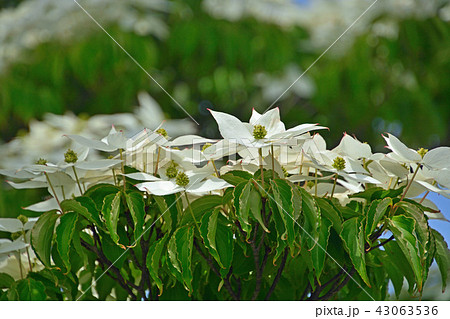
column 192, row 213
column 334, row 184
column 157, row 161
column 410, row 182
column 215, row 168
column 123, row 171
column 261, row 167
column 315, row 183
column 77, row 179
column 53, row 190
column 273, row 159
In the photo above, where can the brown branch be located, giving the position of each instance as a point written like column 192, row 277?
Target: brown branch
column 125, row 284
column 278, row 276
column 336, row 289
column 380, row 244
column 305, row 292
column 226, row 281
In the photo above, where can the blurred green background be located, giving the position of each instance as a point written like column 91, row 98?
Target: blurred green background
column 389, row 73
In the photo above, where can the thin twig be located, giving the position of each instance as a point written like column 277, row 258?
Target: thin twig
column 226, row 281
column 380, row 244
column 278, row 276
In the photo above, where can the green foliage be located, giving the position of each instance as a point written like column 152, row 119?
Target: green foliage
column 251, row 245
column 206, row 62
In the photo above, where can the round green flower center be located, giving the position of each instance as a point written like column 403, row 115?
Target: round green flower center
column 162, row 132
column 171, row 172
column 41, row 161
column 182, row 179
column 16, row 235
column 259, row 132
column 23, row 219
column 70, row 156
column 422, row 151
column 339, row 163
column 206, row 146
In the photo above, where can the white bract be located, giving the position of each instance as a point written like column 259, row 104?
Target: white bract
column 195, row 164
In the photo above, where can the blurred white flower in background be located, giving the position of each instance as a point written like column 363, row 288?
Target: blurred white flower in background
column 47, row 136
column 325, row 20
column 38, row 21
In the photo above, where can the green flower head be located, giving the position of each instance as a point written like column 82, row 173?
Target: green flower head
column 41, row 161
column 16, row 235
column 182, row 179
column 206, row 146
column 285, row 173
column 162, row 132
column 422, row 151
column 339, row 163
column 23, row 219
column 259, row 132
column 171, row 171
column 70, row 156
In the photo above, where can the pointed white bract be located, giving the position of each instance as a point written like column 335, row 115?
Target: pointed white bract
column 161, row 165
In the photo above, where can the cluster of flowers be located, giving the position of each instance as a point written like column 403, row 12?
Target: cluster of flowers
column 190, row 164
column 46, row 136
column 325, row 20
column 34, row 22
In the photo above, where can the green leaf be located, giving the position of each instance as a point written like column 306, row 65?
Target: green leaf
column 5, row 280
column 98, row 193
column 64, row 235
column 375, row 213
column 168, row 210
column 42, row 236
column 218, row 238
column 180, row 254
column 353, row 236
column 427, row 244
column 310, row 231
column 375, row 193
column 252, row 203
column 327, row 210
column 201, row 206
column 402, row 228
column 136, row 205
column 154, row 261
column 283, row 196
column 85, row 207
column 236, row 177
column 318, row 253
column 111, row 211
column 392, row 269
column 30, row 290
column 280, row 227
column 241, row 195
column 393, row 249
column 442, row 257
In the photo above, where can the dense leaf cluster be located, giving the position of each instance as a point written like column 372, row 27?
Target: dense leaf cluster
column 264, row 239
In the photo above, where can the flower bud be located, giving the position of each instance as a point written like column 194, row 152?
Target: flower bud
column 171, row 172
column 182, row 179
column 23, row 219
column 206, row 146
column 339, row 163
column 422, row 151
column 41, row 161
column 16, row 235
column 259, row 132
column 162, row 132
column 70, row 156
